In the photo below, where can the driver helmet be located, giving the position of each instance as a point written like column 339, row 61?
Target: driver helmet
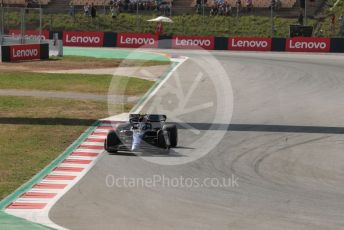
column 142, row 117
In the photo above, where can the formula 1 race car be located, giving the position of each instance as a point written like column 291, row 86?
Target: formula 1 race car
column 143, row 131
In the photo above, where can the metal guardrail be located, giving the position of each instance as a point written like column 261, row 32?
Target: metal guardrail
column 10, row 40
column 22, row 39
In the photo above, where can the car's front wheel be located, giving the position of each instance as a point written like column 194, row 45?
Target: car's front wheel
column 111, row 142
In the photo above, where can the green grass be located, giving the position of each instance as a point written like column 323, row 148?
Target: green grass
column 338, row 9
column 109, row 62
column 34, row 131
column 36, row 107
column 183, row 25
column 83, row 83
column 26, row 149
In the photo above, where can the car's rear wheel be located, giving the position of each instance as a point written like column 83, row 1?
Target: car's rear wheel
column 164, row 148
column 161, row 140
column 173, row 134
column 106, row 146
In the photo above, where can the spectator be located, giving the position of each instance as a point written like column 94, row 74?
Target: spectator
column 333, row 24
column 278, row 4
column 213, row 10
column 86, row 9
column 198, row 6
column 220, row 8
column 238, row 5
column 228, row 9
column 113, row 11
column 272, row 4
column 249, row 6
column 93, row 11
column 341, row 25
column 158, row 29
column 300, row 18
column 126, row 5
column 71, row 9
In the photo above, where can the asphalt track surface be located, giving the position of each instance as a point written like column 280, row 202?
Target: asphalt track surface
column 285, row 144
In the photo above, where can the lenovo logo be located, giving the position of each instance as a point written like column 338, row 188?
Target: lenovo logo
column 82, row 39
column 31, row 37
column 24, row 52
column 135, row 40
column 307, row 45
column 192, row 42
column 30, row 34
column 90, row 39
column 300, row 44
column 249, row 44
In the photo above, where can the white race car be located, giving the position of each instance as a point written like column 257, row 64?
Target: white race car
column 142, row 132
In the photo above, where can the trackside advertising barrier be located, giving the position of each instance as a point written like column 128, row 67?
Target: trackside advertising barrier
column 84, row 39
column 308, row 44
column 146, row 40
column 193, row 42
column 31, row 34
column 26, row 52
column 250, row 44
column 135, row 40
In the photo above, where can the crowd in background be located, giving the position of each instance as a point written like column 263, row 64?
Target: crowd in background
column 130, row 6
column 221, row 8
column 90, row 10
column 224, row 8
column 162, row 6
column 32, row 4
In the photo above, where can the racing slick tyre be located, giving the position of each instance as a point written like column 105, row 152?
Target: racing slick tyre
column 161, row 140
column 162, row 143
column 173, row 134
column 111, row 141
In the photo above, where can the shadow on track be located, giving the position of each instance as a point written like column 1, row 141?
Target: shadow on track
column 152, row 153
column 263, row 128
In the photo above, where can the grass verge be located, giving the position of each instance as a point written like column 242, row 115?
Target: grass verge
column 82, row 83
column 33, row 131
column 109, row 62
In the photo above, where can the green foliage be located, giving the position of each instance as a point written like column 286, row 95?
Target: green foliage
column 332, row 7
column 246, row 25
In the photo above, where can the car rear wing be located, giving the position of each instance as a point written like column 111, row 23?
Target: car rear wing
column 134, row 117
